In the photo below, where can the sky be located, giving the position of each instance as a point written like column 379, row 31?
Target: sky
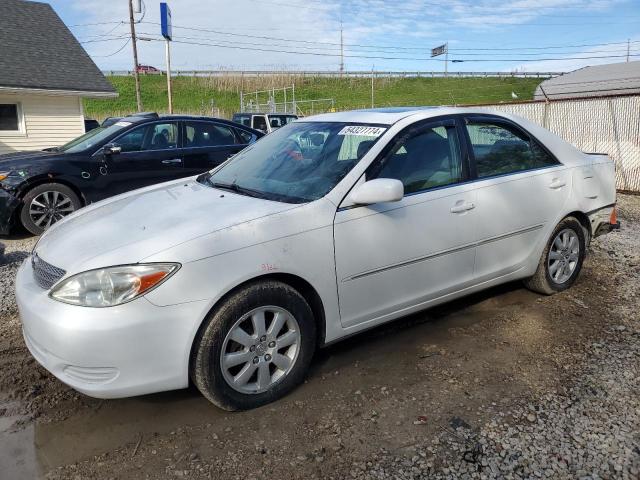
column 482, row 35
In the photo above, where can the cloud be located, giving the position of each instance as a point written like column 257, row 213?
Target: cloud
column 366, row 22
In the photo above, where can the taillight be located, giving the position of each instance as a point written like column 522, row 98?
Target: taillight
column 613, row 218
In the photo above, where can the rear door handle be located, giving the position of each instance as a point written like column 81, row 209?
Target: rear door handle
column 557, row 183
column 462, row 207
column 172, row 161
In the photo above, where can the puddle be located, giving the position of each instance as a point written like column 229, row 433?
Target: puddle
column 117, row 423
column 17, row 448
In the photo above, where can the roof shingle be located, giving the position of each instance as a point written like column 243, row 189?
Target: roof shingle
column 596, row 81
column 37, row 50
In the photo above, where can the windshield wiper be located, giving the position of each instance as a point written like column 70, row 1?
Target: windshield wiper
column 234, row 187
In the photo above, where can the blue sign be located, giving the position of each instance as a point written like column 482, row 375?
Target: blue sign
column 165, row 20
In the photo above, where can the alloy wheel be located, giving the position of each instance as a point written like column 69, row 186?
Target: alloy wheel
column 563, row 256
column 49, row 207
column 260, row 349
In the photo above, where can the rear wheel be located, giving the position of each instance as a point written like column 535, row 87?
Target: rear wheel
column 255, row 347
column 561, row 259
column 46, row 204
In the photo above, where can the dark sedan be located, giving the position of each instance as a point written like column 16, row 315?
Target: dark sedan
column 39, row 188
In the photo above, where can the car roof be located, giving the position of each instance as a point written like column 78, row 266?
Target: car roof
column 154, row 118
column 391, row 115
column 261, row 113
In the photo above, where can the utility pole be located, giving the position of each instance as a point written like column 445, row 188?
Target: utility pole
column 628, row 46
column 341, row 50
column 446, row 59
column 372, row 73
column 135, row 56
column 168, row 56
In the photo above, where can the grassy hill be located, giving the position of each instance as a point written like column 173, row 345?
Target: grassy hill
column 221, row 95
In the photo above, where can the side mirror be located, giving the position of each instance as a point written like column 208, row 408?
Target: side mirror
column 111, row 149
column 379, row 190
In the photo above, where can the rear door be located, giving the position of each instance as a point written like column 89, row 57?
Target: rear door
column 521, row 191
column 150, row 154
column 208, row 144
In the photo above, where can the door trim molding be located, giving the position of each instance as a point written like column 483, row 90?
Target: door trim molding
column 443, row 252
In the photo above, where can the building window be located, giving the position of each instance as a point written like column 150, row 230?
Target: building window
column 10, row 117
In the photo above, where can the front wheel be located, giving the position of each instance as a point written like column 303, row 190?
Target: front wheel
column 561, row 259
column 255, row 347
column 44, row 205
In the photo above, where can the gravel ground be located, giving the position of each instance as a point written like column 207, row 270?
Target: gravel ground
column 504, row 384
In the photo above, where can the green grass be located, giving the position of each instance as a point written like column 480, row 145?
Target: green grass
column 221, row 95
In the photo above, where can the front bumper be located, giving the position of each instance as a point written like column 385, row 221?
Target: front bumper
column 8, row 206
column 132, row 349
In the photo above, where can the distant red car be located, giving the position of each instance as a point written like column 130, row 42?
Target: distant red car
column 147, row 69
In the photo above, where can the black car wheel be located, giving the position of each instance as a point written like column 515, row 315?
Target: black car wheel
column 46, row 204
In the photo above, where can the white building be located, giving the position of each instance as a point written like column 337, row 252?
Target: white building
column 44, row 75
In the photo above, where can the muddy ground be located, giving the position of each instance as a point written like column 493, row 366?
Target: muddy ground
column 505, row 383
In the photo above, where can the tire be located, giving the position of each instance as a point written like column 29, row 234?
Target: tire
column 560, row 264
column 217, row 339
column 44, row 205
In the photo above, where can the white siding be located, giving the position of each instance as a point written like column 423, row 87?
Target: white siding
column 49, row 121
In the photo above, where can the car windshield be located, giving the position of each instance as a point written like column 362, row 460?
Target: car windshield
column 92, row 138
column 298, row 163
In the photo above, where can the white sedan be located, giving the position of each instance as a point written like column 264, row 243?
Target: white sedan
column 329, row 226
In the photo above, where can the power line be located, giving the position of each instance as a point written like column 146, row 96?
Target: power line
column 119, row 37
column 117, row 51
column 337, row 48
column 322, row 54
column 390, row 47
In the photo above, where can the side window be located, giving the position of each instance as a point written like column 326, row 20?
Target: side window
column 155, row 136
column 9, row 117
column 245, row 136
column 260, row 123
column 132, row 141
column 502, row 149
column 163, row 136
column 422, row 159
column 206, row 134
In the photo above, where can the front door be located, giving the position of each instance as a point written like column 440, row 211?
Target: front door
column 391, row 257
column 150, row 154
column 207, row 145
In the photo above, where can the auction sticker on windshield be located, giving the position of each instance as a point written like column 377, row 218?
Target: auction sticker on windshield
column 362, row 130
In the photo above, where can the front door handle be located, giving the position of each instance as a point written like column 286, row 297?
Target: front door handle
column 462, row 207
column 172, row 161
column 557, row 183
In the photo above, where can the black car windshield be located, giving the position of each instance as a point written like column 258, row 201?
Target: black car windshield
column 297, row 163
column 92, row 138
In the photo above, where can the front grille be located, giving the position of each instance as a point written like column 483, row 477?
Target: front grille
column 45, row 274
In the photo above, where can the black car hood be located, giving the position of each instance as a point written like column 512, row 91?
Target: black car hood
column 26, row 159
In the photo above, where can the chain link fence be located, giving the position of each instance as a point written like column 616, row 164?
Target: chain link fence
column 599, row 124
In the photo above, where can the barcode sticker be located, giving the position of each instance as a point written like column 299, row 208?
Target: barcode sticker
column 362, row 131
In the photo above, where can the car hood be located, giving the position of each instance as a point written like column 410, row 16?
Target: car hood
column 131, row 227
column 24, row 160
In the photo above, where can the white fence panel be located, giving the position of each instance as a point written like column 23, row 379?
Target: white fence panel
column 605, row 125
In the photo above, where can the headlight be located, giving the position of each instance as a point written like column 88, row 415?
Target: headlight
column 111, row 286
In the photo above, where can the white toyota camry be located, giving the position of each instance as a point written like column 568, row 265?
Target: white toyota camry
column 329, row 226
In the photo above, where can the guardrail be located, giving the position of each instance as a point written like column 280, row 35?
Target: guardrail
column 354, row 73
